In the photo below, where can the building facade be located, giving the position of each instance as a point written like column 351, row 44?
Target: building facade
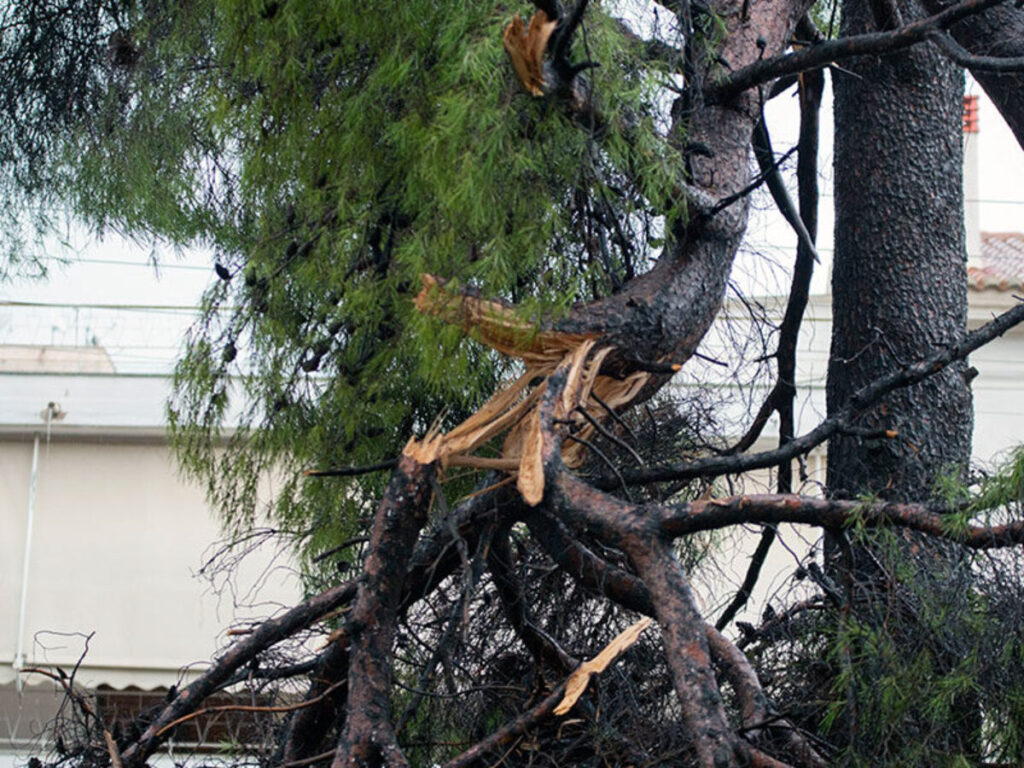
column 104, row 557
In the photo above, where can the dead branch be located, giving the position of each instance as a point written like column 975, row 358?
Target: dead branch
column 631, row 592
column 682, row 627
column 561, row 699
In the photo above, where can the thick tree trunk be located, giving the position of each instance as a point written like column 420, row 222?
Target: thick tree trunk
column 899, row 282
column 899, row 292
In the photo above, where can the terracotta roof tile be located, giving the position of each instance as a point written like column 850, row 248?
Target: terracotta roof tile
column 1002, row 263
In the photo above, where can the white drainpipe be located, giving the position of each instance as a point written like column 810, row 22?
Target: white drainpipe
column 19, row 655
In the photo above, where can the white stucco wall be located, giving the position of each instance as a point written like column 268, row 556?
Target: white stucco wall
column 117, row 542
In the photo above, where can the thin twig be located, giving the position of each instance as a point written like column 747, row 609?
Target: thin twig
column 351, row 471
column 609, row 436
column 611, row 412
column 250, row 708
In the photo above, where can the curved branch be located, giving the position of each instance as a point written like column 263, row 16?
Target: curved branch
column 684, row 519
column 326, row 698
column 903, row 377
column 593, row 572
column 756, row 708
column 823, row 54
column 246, row 708
column 952, row 49
column 682, row 626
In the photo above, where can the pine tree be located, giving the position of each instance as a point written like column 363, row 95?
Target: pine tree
column 457, row 245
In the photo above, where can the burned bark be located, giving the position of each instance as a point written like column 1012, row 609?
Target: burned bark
column 997, row 33
column 899, row 277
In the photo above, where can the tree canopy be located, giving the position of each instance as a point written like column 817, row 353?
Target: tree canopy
column 330, row 160
column 461, row 248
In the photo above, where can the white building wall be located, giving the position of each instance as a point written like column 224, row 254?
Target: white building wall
column 118, row 540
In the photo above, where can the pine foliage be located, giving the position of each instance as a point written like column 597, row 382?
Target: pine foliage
column 329, row 154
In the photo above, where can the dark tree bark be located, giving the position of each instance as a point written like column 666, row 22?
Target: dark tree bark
column 899, row 280
column 368, row 739
column 899, row 290
column 998, row 32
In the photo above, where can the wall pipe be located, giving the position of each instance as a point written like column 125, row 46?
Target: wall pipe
column 19, row 655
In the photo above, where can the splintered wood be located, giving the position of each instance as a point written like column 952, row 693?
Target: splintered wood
column 513, row 409
column 580, row 677
column 525, row 47
column 496, row 324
